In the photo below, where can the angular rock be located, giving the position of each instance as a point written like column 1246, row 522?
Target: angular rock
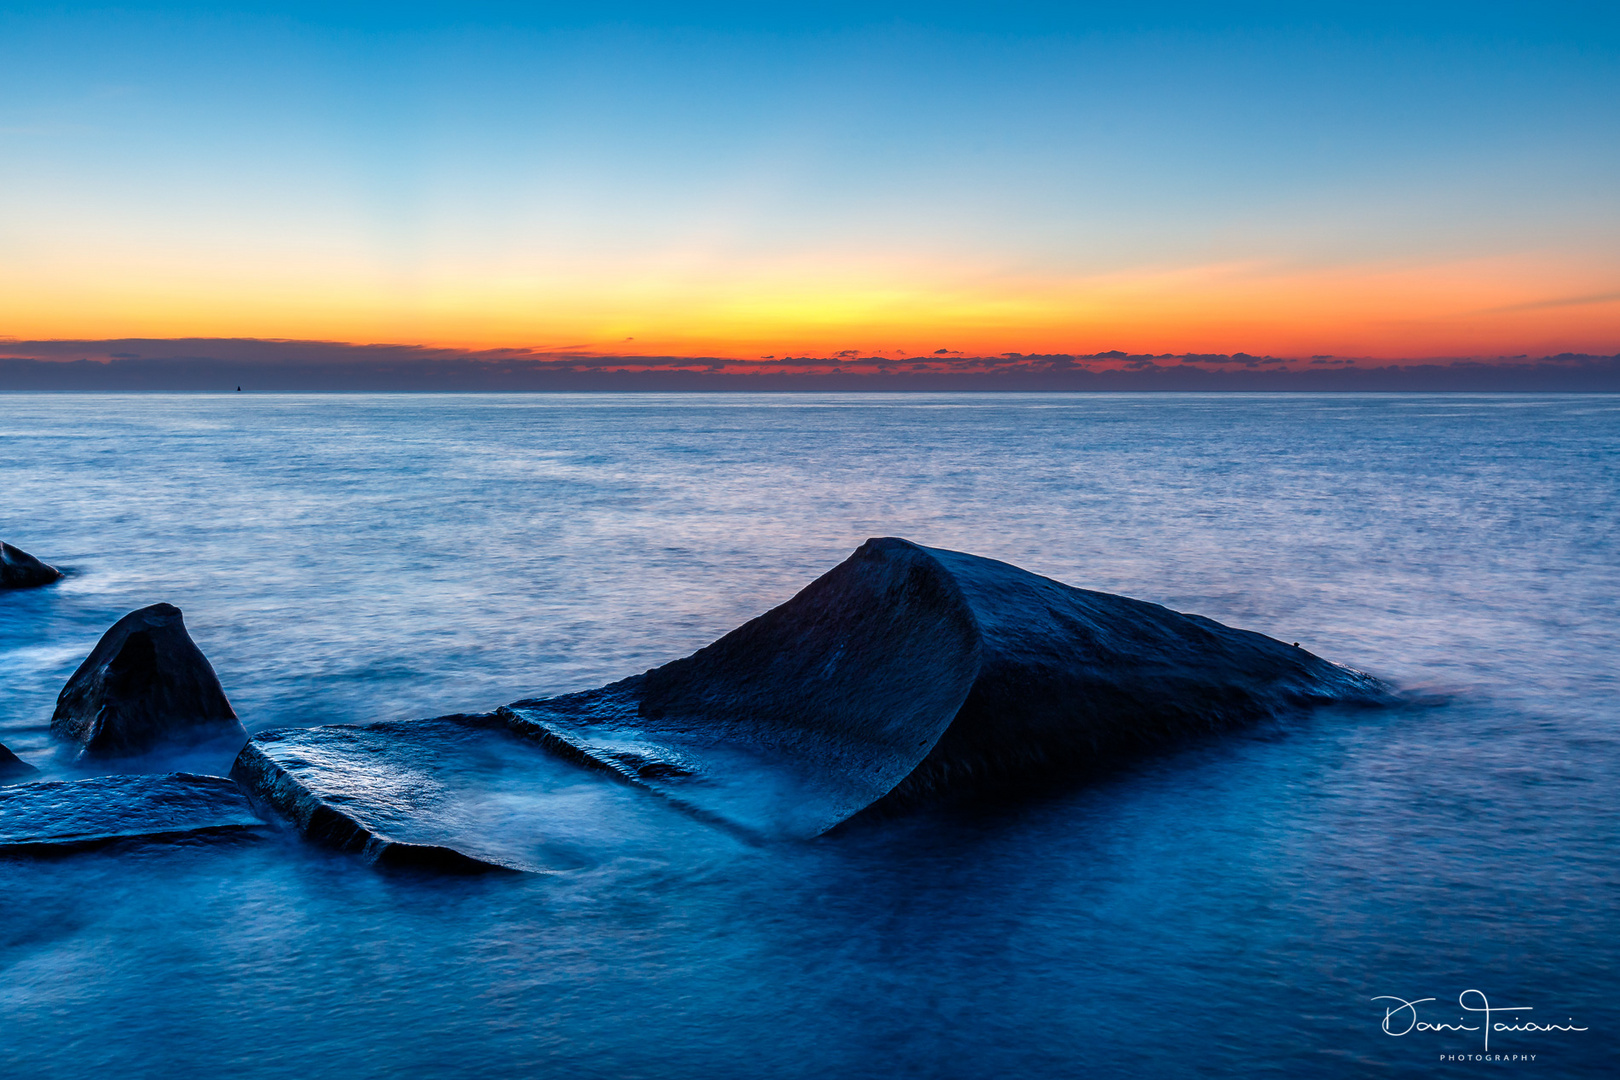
column 20, row 570
column 13, row 769
column 75, row 813
column 145, row 687
column 902, row 674
column 909, row 672
column 457, row 793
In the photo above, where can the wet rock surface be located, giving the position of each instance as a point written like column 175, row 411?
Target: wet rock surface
column 143, row 688
column 908, row 673
column 904, row 674
column 1068, row 678
column 13, row 769
column 20, row 570
column 76, row 813
column 458, row 793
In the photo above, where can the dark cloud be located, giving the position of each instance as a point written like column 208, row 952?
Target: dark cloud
column 203, row 364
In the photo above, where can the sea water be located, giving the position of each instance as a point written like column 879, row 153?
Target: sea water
column 1254, row 905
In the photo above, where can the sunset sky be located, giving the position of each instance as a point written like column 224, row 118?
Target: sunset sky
column 726, row 180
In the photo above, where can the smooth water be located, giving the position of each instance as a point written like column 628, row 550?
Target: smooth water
column 1229, row 909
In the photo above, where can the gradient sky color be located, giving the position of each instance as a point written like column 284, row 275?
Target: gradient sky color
column 736, row 180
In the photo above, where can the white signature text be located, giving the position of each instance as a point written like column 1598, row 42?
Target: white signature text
column 1402, row 1017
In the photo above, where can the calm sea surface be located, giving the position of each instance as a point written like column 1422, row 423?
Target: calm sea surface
column 1230, row 909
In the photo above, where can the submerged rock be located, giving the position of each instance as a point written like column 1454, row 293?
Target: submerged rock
column 458, row 793
column 909, row 672
column 20, row 570
column 143, row 688
column 14, row 769
column 73, row 813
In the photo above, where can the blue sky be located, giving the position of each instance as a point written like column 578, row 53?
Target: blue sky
column 726, row 176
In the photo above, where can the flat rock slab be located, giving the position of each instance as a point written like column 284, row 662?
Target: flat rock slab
column 748, row 788
column 457, row 793
column 74, row 813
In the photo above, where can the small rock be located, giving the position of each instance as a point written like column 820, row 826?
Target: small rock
column 14, row 769
column 145, row 687
column 20, row 570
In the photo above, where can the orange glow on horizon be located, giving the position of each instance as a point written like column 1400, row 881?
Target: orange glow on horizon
column 1481, row 308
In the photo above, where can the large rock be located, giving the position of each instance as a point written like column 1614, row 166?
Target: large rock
column 909, row 672
column 145, row 688
column 76, row 813
column 905, row 673
column 14, row 769
column 20, row 570
column 458, row 793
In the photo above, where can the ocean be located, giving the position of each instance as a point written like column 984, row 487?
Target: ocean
column 1258, row 904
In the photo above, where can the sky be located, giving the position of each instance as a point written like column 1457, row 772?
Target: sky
column 752, row 180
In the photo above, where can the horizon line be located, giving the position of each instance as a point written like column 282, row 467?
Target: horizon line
column 224, row 364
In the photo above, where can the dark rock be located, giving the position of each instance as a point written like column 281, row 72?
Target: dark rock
column 1068, row 675
column 77, row 813
column 145, row 687
column 457, row 793
column 909, row 672
column 905, row 673
column 14, row 769
column 20, row 570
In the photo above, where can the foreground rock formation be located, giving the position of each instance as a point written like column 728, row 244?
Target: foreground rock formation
column 20, row 570
column 909, row 672
column 77, row 813
column 145, row 687
column 14, row 769
column 905, row 673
